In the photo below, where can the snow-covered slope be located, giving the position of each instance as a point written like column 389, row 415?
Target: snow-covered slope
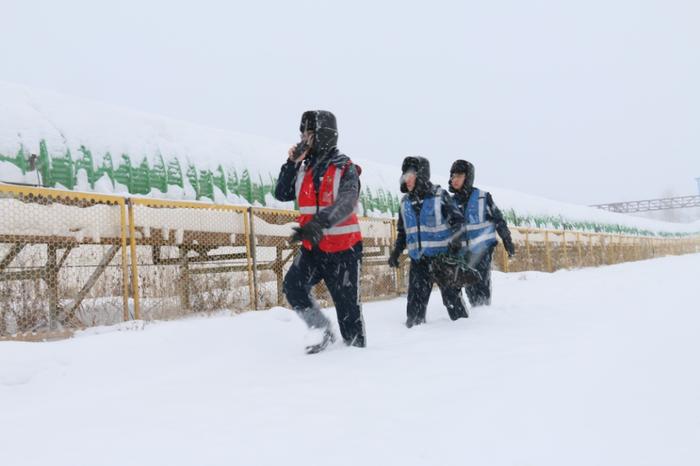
column 551, row 374
column 28, row 116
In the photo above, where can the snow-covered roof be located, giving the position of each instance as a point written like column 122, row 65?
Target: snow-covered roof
column 29, row 116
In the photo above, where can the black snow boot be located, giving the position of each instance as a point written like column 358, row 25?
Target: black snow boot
column 357, row 341
column 413, row 321
column 327, row 339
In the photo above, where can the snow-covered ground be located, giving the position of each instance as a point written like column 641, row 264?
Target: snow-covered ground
column 587, row 367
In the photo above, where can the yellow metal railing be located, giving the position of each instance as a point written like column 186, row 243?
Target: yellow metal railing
column 60, row 269
column 196, row 252
column 59, row 259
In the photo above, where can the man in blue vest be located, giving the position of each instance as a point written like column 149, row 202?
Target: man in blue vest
column 429, row 225
column 483, row 221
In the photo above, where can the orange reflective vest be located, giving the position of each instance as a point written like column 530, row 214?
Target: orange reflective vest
column 339, row 237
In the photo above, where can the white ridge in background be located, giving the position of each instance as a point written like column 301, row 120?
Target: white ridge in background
column 28, row 115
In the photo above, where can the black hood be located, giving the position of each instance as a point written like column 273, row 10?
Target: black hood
column 325, row 127
column 421, row 166
column 462, row 166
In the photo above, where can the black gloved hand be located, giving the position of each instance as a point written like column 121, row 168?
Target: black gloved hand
column 455, row 245
column 311, row 232
column 394, row 258
column 469, row 276
column 510, row 248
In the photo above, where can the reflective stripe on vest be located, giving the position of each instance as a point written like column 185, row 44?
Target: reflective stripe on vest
column 480, row 232
column 423, row 228
column 342, row 230
column 345, row 233
column 429, row 244
column 336, row 182
column 301, row 174
column 311, row 209
column 427, row 234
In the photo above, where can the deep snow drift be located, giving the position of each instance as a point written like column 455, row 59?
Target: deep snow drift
column 596, row 366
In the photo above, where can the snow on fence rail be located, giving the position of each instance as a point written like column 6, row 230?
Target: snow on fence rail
column 165, row 178
column 71, row 260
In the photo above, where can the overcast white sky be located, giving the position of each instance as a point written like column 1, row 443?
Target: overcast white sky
column 585, row 101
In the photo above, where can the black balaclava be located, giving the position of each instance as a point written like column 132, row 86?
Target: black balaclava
column 462, row 166
column 421, row 166
column 325, row 128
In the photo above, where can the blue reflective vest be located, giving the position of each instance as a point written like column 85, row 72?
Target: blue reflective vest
column 481, row 233
column 429, row 234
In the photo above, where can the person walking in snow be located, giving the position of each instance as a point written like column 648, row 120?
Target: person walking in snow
column 429, row 225
column 482, row 221
column 326, row 186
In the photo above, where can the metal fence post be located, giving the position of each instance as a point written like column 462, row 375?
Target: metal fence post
column 125, row 263
column 604, row 248
column 504, row 254
column 251, row 257
column 578, row 249
column 247, row 221
column 566, row 250
column 527, row 248
column 621, row 250
column 134, row 265
column 392, row 241
column 547, row 252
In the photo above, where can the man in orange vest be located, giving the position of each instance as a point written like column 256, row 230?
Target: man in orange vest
column 326, row 186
